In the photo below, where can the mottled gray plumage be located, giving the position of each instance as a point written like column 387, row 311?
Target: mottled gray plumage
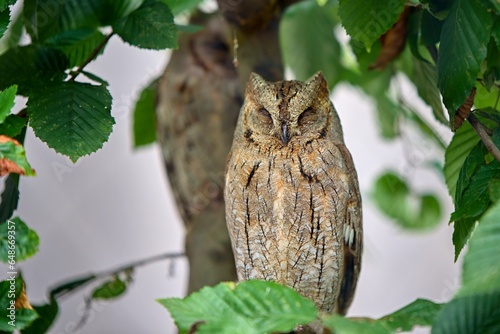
column 293, row 207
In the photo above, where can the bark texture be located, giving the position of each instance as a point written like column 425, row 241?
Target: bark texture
column 199, row 98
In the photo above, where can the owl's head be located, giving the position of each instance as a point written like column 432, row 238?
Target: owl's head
column 286, row 111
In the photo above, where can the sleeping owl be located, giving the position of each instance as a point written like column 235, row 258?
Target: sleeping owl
column 293, row 207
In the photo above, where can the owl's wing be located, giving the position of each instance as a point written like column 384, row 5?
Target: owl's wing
column 353, row 238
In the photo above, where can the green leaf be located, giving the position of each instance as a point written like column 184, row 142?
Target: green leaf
column 419, row 313
column 431, row 29
column 179, row 6
column 44, row 19
column 31, row 68
column 151, row 26
column 145, row 117
column 15, row 154
column 40, row 18
column 73, row 118
column 472, row 193
column 4, row 21
column 470, row 314
column 341, row 325
column 77, row 45
column 438, row 8
column 7, row 97
column 6, row 3
column 13, row 35
column 47, row 313
column 494, row 190
column 495, row 32
column 256, row 306
column 393, row 198
column 366, row 20
column 481, row 272
column 464, row 37
column 425, row 79
column 73, row 284
column 304, row 29
column 463, row 141
column 388, row 116
column 11, row 318
column 110, row 289
column 13, row 125
column 16, row 235
column 10, row 197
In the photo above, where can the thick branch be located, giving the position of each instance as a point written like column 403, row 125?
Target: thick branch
column 483, row 134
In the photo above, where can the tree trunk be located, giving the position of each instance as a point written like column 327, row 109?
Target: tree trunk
column 199, row 97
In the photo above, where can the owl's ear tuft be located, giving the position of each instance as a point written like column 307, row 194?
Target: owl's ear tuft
column 317, row 83
column 255, row 81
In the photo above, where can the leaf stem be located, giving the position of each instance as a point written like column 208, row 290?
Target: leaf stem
column 91, row 57
column 481, row 130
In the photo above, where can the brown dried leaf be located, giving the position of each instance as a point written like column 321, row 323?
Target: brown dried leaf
column 7, row 166
column 464, row 111
column 393, row 42
column 22, row 301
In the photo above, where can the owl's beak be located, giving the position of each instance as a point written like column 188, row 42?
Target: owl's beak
column 285, row 134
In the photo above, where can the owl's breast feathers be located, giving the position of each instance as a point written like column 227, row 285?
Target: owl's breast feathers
column 294, row 216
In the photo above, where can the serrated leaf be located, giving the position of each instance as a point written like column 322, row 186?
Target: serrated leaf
column 375, row 18
column 470, row 314
column 6, row 3
column 495, row 32
column 13, row 158
column 425, row 79
column 393, row 198
column 110, row 289
column 12, row 316
column 151, row 26
column 145, row 117
column 463, row 141
column 16, row 235
column 472, row 194
column 4, row 21
column 419, row 313
column 40, row 22
column 257, row 306
column 13, row 125
column 481, row 273
column 73, row 118
column 77, row 45
column 44, row 19
column 7, row 97
column 464, row 37
column 306, row 28
column 10, row 197
column 13, row 34
column 31, row 67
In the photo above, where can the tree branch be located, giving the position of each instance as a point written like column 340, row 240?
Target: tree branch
column 87, row 279
column 92, row 56
column 483, row 134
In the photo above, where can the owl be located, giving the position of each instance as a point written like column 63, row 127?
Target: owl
column 293, row 207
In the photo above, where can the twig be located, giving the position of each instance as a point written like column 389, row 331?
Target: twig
column 113, row 272
column 94, row 54
column 483, row 134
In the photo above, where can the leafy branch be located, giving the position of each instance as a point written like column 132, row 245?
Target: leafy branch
column 97, row 50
